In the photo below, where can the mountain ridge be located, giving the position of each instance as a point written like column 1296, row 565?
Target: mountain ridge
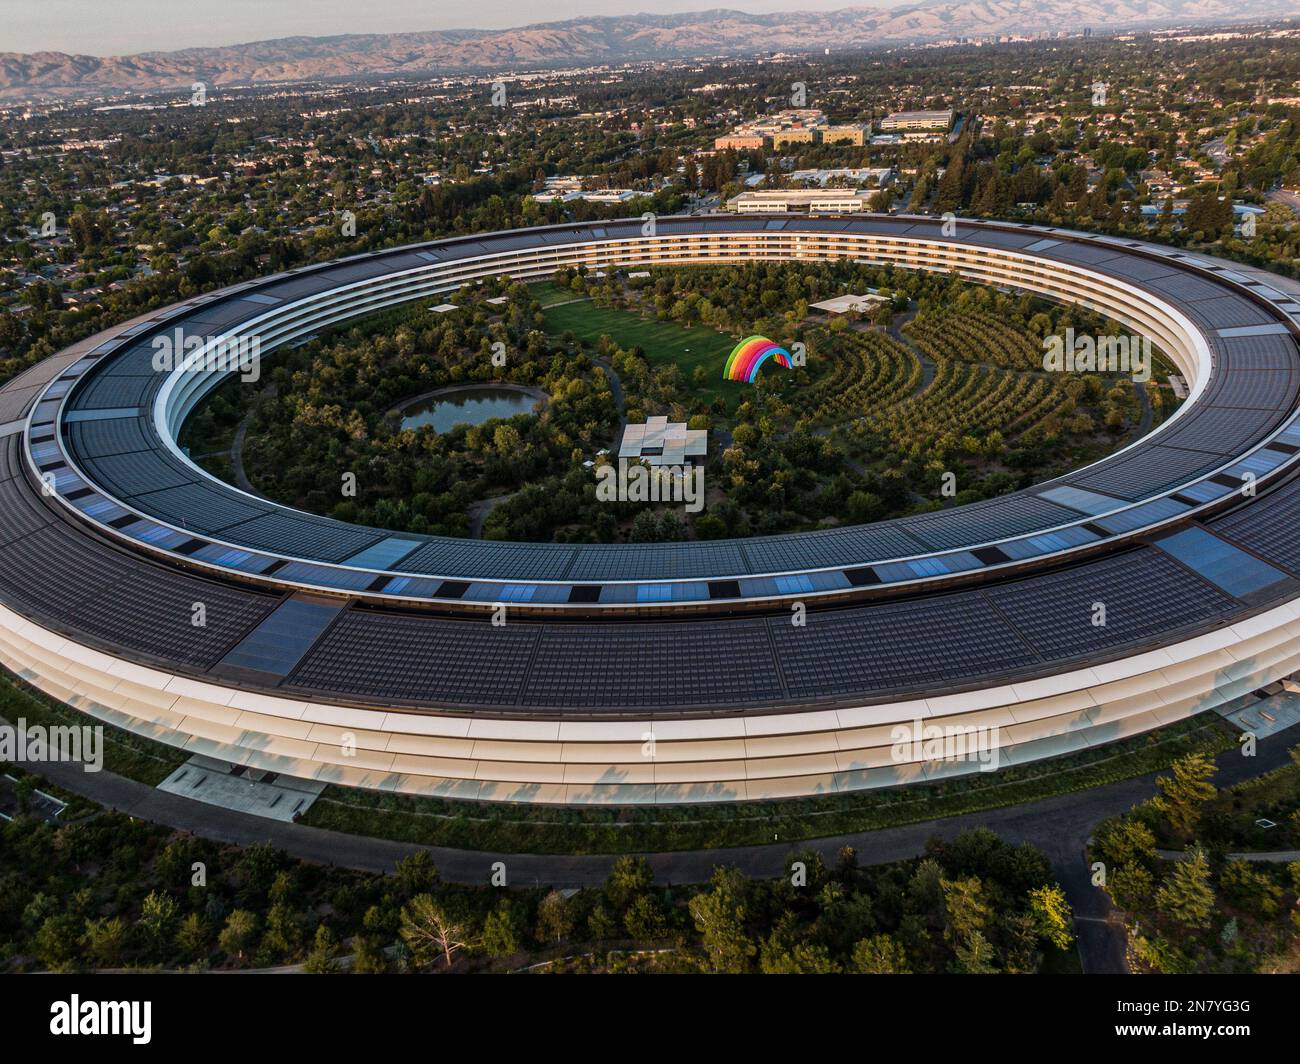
column 600, row 39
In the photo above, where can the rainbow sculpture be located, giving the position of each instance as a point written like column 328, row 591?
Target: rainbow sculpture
column 747, row 356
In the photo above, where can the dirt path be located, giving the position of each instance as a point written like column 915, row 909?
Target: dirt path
column 894, row 330
column 238, row 472
column 615, row 385
column 478, row 512
column 928, row 366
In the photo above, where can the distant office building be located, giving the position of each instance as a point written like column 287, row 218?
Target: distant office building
column 883, row 140
column 851, row 134
column 796, row 125
column 784, row 137
column 603, row 195
column 915, row 121
column 811, row 200
column 740, row 142
column 862, row 175
column 562, row 184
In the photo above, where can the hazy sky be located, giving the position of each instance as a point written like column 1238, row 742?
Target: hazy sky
column 120, row 27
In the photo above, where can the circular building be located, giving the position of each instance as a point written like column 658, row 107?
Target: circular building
column 659, row 673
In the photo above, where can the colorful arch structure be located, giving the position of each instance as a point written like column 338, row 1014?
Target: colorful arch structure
column 748, row 356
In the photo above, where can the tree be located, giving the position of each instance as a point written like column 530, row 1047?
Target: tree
column 157, row 916
column 105, row 941
column 863, row 507
column 554, row 918
column 879, row 955
column 924, row 891
column 192, row 937
column 975, row 956
column 1182, row 795
column 600, row 924
column 57, row 939
column 1186, row 896
column 1130, row 886
column 1249, row 889
column 629, row 877
column 1125, row 841
column 258, row 867
column 320, row 961
column 966, row 908
column 710, row 526
column 644, row 920
column 283, row 930
column 507, row 441
column 950, row 185
column 416, row 874
column 367, row 956
column 1052, row 916
column 237, row 935
column 500, row 934
column 429, row 931
column 719, row 916
column 802, row 958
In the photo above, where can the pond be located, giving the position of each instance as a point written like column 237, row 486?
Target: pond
column 470, row 404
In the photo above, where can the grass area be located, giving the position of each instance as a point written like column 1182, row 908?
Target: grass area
column 665, row 343
column 548, row 294
column 527, row 829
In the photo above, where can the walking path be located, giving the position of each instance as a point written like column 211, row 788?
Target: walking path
column 237, row 458
column 928, row 366
column 1263, row 856
column 615, row 384
column 1268, row 856
column 478, row 512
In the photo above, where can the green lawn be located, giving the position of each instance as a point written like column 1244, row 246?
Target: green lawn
column 547, row 293
column 664, row 343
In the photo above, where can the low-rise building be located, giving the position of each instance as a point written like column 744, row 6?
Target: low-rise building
column 850, row 304
column 857, row 135
column 911, row 121
column 811, row 200
column 740, row 142
column 862, row 175
column 602, row 195
column 660, row 442
column 793, row 136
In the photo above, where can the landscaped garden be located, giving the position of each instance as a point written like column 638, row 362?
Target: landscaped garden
column 1179, row 868
column 936, row 398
